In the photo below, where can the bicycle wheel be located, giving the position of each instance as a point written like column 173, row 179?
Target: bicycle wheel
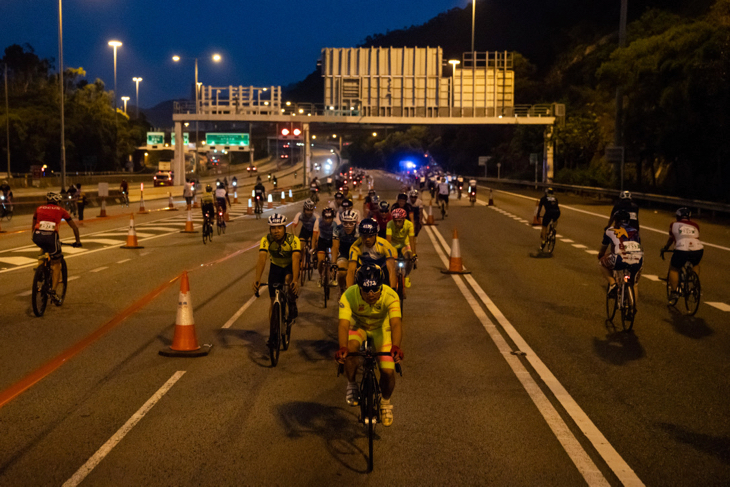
column 205, row 233
column 219, row 226
column 611, row 304
column 310, row 267
column 372, row 413
column 550, row 244
column 401, row 290
column 672, row 300
column 61, row 291
column 9, row 215
column 275, row 333
column 326, row 283
column 627, row 310
column 39, row 298
column 443, row 211
column 303, row 266
column 285, row 327
column 692, row 293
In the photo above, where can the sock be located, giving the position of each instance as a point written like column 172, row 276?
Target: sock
column 384, row 401
column 351, row 385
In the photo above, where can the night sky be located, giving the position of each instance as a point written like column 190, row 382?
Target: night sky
column 262, row 42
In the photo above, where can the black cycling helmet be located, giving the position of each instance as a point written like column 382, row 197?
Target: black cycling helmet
column 369, row 277
column 328, row 213
column 548, row 191
column 683, row 214
column 625, row 195
column 368, row 227
column 384, row 206
column 402, row 196
column 338, row 194
column 347, row 203
column 621, row 216
column 208, row 188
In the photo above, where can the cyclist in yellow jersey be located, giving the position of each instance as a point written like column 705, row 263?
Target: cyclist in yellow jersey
column 401, row 233
column 284, row 250
column 207, row 202
column 371, row 249
column 371, row 309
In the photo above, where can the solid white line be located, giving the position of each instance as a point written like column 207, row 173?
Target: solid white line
column 650, row 277
column 567, row 240
column 241, row 310
column 98, row 269
column 720, row 306
column 123, row 261
column 86, row 468
column 572, row 447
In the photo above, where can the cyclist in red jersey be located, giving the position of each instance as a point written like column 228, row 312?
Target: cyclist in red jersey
column 45, row 233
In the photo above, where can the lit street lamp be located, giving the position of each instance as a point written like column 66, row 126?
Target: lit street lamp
column 7, row 119
column 137, row 80
column 125, row 99
column 453, row 63
column 115, row 45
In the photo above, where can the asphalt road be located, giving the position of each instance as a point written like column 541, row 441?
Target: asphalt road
column 511, row 374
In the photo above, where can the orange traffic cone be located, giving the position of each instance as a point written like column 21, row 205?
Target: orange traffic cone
column 249, row 210
column 131, row 236
column 189, row 224
column 429, row 218
column 195, row 201
column 170, row 204
column 491, row 198
column 291, row 197
column 283, row 198
column 142, row 209
column 455, row 264
column 536, row 220
column 235, row 197
column 226, row 217
column 102, row 213
column 270, row 203
column 184, row 342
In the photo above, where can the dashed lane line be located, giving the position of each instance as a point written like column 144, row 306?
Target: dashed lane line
column 123, row 261
column 720, row 306
column 651, row 277
column 241, row 310
column 579, row 246
column 98, row 269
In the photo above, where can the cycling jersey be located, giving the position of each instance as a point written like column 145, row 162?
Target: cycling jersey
column 220, row 193
column 280, row 253
column 207, row 197
column 686, row 235
column 307, row 224
column 346, row 239
column 632, row 208
column 408, row 207
column 362, row 315
column 550, row 203
column 377, row 254
column 400, row 237
column 325, row 229
column 443, row 189
column 48, row 217
column 626, row 243
column 259, row 189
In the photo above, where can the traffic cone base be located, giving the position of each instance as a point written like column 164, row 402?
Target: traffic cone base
column 170, row 203
column 142, row 210
column 455, row 264
column 102, row 212
column 189, row 224
column 184, row 341
column 131, row 236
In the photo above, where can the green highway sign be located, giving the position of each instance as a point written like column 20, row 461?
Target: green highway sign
column 155, row 138
column 227, row 139
column 186, row 138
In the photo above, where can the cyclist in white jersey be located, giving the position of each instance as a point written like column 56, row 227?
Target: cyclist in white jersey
column 685, row 235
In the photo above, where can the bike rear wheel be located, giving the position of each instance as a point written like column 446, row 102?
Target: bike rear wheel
column 326, row 283
column 627, row 309
column 692, row 293
column 61, row 291
column 611, row 304
column 275, row 333
column 285, row 327
column 39, row 298
column 303, row 266
column 672, row 300
column 550, row 244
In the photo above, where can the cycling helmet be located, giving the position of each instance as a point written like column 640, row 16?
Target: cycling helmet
column 208, row 188
column 374, row 199
column 625, row 195
column 402, row 196
column 384, row 206
column 371, row 192
column 308, row 204
column 683, row 213
column 338, row 194
column 548, row 191
column 398, row 213
column 621, row 216
column 54, row 197
column 414, row 193
column 277, row 220
column 348, row 216
column 346, row 203
column 370, row 277
column 328, row 213
column 368, row 227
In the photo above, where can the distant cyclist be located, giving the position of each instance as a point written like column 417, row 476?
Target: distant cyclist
column 685, row 235
column 323, row 233
column 402, row 202
column 46, row 220
column 382, row 216
column 124, row 190
column 625, row 251
column 552, row 213
column 625, row 203
column 207, row 203
column 307, row 218
column 259, row 192
column 370, row 309
column 343, row 236
column 443, row 193
column 417, row 205
column 400, row 233
column 221, row 198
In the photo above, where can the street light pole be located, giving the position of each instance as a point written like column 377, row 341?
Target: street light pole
column 137, row 80
column 60, row 82
column 115, row 44
column 7, row 119
column 618, row 123
column 473, row 14
column 125, row 99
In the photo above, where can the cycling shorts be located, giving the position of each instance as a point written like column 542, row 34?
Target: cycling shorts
column 614, row 262
column 222, row 203
column 406, row 248
column 278, row 274
column 208, row 208
column 550, row 216
column 48, row 242
column 443, row 197
column 680, row 257
column 305, row 234
column 381, row 339
column 188, row 199
column 323, row 245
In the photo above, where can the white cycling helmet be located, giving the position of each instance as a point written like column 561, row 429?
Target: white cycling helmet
column 309, row 204
column 277, row 220
column 54, row 197
column 625, row 195
column 349, row 216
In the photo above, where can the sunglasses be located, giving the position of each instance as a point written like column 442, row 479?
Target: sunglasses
column 371, row 289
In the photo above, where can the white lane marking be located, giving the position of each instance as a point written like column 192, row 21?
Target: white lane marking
column 567, row 240
column 572, row 447
column 537, row 227
column 592, row 252
column 77, row 250
column 152, row 226
column 26, row 293
column 123, row 261
column 241, row 310
column 651, row 277
column 120, row 234
column 579, row 246
column 102, row 452
column 605, row 218
column 720, row 306
column 18, row 260
column 73, row 278
column 107, row 241
column 558, row 235
column 98, row 269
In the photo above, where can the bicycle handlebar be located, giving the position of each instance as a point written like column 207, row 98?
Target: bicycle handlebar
column 341, row 367
column 261, row 284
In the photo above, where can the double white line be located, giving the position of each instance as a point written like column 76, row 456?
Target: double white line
column 572, row 446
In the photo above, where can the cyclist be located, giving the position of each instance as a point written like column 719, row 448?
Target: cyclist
column 371, row 249
column 626, row 251
column 382, row 216
column 473, row 186
column 417, row 205
column 46, row 220
column 337, row 203
column 685, row 235
column 124, row 189
column 274, row 181
column 371, row 309
column 284, row 251
column 259, row 192
column 323, row 234
column 400, row 233
column 402, row 202
column 221, row 197
column 443, row 191
column 460, row 184
column 552, row 213
column 6, row 197
column 314, row 190
column 207, row 203
column 625, row 203
column 307, row 218
column 345, row 206
column 345, row 191
column 367, row 206
column 343, row 236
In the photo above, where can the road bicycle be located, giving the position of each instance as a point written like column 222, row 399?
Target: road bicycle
column 689, row 287
column 459, row 188
column 622, row 298
column 329, row 271
column 258, row 206
column 314, row 196
column 125, row 199
column 279, row 324
column 43, row 284
column 306, row 267
column 442, row 205
column 220, row 223
column 472, row 196
column 549, row 245
column 6, row 211
column 207, row 229
column 369, row 390
column 400, row 280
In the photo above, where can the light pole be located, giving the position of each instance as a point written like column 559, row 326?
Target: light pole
column 7, row 119
column 137, row 80
column 115, row 45
column 453, row 63
column 473, row 15
column 125, row 99
column 60, row 83
column 618, row 123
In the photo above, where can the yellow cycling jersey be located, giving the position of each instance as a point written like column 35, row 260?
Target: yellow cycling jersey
column 400, row 237
column 207, row 197
column 377, row 254
column 364, row 316
column 280, row 254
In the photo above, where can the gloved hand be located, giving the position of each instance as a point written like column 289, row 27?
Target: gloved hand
column 396, row 353
column 341, row 355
